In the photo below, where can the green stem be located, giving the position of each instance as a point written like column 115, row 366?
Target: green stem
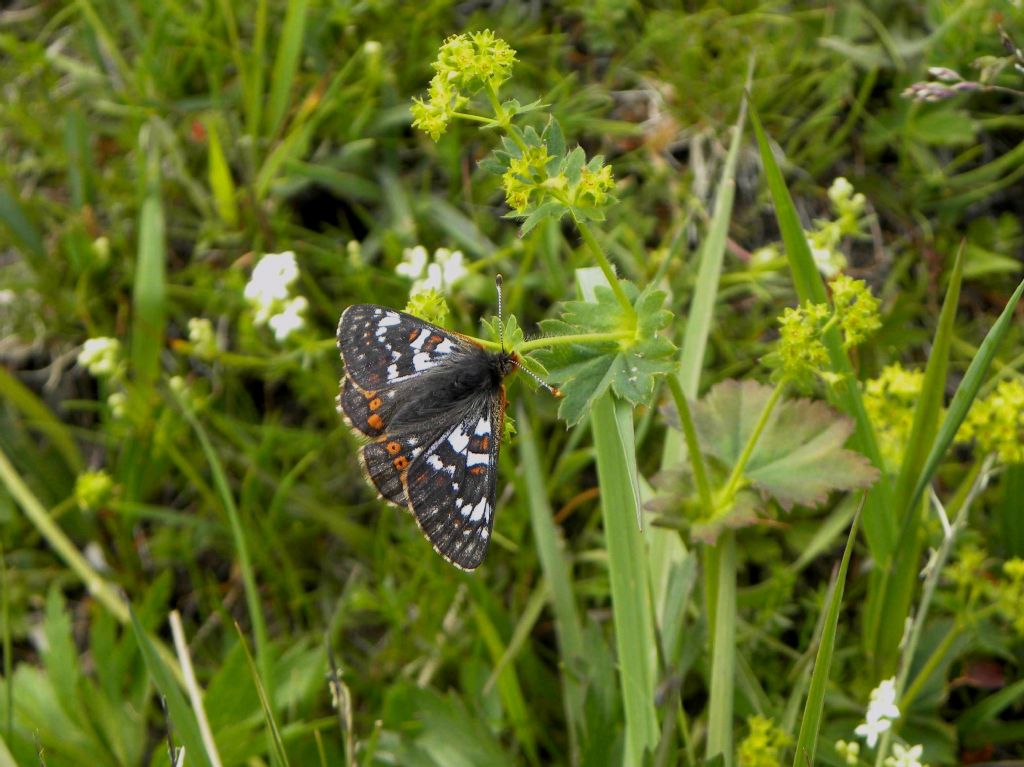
column 474, row 118
column 723, row 654
column 737, row 472
column 692, row 446
column 549, row 341
column 605, row 264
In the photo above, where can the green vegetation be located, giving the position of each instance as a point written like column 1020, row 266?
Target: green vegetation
column 771, row 259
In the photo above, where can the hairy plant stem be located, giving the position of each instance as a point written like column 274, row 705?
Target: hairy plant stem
column 605, row 264
column 733, row 484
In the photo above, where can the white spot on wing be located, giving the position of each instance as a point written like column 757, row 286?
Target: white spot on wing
column 389, row 319
column 445, row 347
column 483, row 426
column 435, row 461
column 458, row 440
column 392, row 372
column 479, row 510
column 417, row 343
column 477, row 458
column 422, row 361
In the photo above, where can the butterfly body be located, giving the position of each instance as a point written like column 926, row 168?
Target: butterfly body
column 432, row 403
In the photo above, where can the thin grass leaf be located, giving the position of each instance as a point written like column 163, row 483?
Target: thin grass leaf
column 149, row 292
column 723, row 652
column 22, row 229
column 38, row 416
column 278, row 753
column 558, row 573
column 218, row 174
column 892, row 589
column 252, row 597
column 966, row 392
column 983, row 712
column 286, row 64
column 810, row 724
column 879, row 527
column 612, row 427
column 186, row 730
column 699, row 320
column 509, row 688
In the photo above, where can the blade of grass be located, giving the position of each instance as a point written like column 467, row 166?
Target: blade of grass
column 966, row 392
column 712, row 252
column 893, row 589
column 252, row 597
column 507, row 678
column 723, row 652
column 558, row 573
column 22, row 229
column 612, row 428
column 879, row 527
column 280, row 756
column 149, row 290
column 810, row 724
column 286, row 64
column 192, row 686
column 185, row 727
column 39, row 416
column 218, row 175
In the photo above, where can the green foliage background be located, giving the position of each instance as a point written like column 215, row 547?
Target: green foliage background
column 151, row 152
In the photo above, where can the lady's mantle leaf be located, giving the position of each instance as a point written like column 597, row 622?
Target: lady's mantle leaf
column 799, row 458
column 627, row 365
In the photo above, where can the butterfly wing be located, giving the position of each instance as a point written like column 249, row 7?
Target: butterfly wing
column 383, row 347
column 451, row 485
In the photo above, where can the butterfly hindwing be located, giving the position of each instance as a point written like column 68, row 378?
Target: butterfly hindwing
column 386, row 462
column 451, row 485
column 365, row 411
column 382, row 347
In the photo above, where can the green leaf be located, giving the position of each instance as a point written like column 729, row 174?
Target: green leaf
column 186, row 728
column 554, row 140
column 800, row 456
column 627, row 365
column 810, row 724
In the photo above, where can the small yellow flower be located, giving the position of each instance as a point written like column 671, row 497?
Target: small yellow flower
column 93, row 489
column 996, row 423
column 763, row 746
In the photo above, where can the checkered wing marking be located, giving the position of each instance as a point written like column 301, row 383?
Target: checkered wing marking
column 452, row 485
column 386, row 462
column 382, row 347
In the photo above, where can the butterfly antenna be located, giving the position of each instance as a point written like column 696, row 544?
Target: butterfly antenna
column 555, row 391
column 501, row 322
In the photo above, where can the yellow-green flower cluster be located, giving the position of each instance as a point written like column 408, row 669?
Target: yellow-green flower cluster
column 890, row 400
column 856, row 309
column 524, row 181
column 594, row 187
column 997, row 422
column 429, row 305
column 800, row 355
column 93, row 489
column 763, row 746
column 465, row 64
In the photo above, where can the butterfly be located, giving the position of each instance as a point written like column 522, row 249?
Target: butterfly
column 432, row 403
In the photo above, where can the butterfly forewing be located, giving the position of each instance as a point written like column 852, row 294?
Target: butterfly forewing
column 382, row 347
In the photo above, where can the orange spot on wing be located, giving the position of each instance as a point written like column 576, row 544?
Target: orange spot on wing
column 375, row 403
column 485, row 442
column 394, row 448
column 477, row 470
column 413, row 333
column 401, row 463
column 375, row 422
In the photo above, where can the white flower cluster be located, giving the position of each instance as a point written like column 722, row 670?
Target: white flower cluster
column 905, row 757
column 100, row 356
column 269, row 291
column 438, row 274
column 881, row 712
